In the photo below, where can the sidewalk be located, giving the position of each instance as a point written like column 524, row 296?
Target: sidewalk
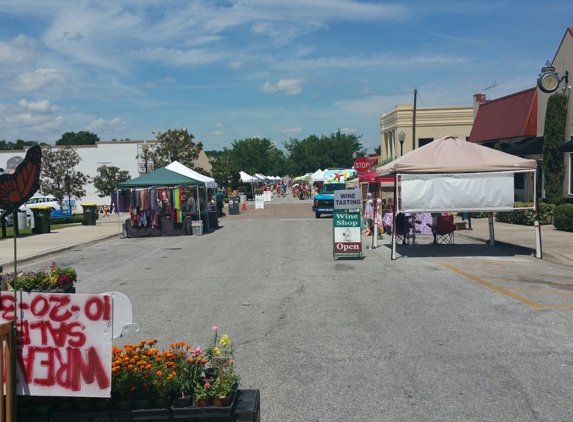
column 557, row 246
column 35, row 246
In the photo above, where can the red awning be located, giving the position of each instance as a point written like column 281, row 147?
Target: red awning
column 370, row 177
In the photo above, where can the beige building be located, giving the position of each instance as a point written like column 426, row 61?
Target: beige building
column 431, row 123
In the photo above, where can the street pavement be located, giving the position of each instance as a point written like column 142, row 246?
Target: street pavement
column 451, row 333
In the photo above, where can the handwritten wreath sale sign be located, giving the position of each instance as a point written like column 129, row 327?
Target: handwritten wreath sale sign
column 64, row 343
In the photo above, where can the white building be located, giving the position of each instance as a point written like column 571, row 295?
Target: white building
column 121, row 154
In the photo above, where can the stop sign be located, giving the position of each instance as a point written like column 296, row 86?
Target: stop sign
column 362, row 165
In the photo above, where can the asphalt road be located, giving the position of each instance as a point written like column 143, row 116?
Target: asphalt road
column 449, row 333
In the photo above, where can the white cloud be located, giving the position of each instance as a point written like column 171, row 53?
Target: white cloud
column 176, row 57
column 42, row 106
column 38, row 79
column 101, row 124
column 216, row 133
column 30, row 122
column 202, row 40
column 292, row 131
column 18, row 50
column 169, row 80
column 348, row 130
column 365, row 91
column 150, row 85
column 289, row 86
column 236, row 65
column 365, row 81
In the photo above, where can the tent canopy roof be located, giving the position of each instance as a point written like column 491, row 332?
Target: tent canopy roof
column 177, row 167
column 159, row 177
column 454, row 155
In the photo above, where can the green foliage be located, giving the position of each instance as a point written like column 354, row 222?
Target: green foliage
column 18, row 145
column 526, row 217
column 378, row 149
column 563, row 217
column 479, row 214
column 335, row 151
column 553, row 138
column 258, row 155
column 58, row 177
column 225, row 169
column 80, row 138
column 109, row 177
column 175, row 145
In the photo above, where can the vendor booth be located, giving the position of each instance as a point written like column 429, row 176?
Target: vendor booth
column 157, row 204
column 453, row 175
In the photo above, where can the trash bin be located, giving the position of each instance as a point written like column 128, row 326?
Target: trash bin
column 234, row 205
column 197, row 228
column 42, row 222
column 90, row 214
column 22, row 220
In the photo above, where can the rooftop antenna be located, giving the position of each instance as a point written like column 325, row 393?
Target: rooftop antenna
column 490, row 87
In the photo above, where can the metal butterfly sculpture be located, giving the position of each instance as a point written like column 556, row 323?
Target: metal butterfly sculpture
column 20, row 184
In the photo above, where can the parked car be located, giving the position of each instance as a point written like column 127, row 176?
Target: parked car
column 42, row 201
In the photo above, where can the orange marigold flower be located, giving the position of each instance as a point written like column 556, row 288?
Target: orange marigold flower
column 191, row 360
column 132, row 388
column 150, row 342
column 181, row 343
column 173, row 373
column 203, row 361
column 159, row 373
column 129, row 367
column 146, row 374
column 187, row 346
column 148, row 366
column 172, row 345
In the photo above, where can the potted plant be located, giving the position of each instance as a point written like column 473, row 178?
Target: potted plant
column 204, row 392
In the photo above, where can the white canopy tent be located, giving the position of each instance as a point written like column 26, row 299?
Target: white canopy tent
column 317, row 176
column 177, row 167
column 246, row 178
column 453, row 175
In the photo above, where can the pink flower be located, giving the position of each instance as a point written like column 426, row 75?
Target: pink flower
column 207, row 385
column 215, row 328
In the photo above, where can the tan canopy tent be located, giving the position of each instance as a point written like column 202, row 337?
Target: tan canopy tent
column 453, row 175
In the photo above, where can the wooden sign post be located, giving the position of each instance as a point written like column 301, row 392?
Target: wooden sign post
column 219, row 362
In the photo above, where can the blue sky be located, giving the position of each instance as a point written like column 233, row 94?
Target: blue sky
column 229, row 70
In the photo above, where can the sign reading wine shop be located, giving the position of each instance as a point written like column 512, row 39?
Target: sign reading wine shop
column 346, row 224
column 64, row 343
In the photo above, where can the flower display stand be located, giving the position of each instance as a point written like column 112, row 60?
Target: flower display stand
column 245, row 406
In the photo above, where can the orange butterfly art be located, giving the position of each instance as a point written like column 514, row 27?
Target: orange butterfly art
column 16, row 188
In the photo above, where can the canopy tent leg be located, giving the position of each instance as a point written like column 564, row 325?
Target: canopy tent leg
column 375, row 233
column 394, row 209
column 538, row 248
column 491, row 233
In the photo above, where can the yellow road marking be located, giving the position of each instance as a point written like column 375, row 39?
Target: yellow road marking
column 498, row 289
column 545, row 292
column 528, row 274
column 527, row 281
column 481, row 264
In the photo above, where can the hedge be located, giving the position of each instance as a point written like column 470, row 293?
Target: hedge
column 563, row 217
column 526, row 217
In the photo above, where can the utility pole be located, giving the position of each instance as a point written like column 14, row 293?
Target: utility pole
column 414, row 122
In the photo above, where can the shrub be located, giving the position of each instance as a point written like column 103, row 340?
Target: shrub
column 526, row 217
column 563, row 217
column 479, row 214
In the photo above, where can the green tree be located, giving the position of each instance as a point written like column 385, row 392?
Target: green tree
column 176, row 145
column 225, row 169
column 259, row 155
column 59, row 177
column 108, row 178
column 378, row 149
column 553, row 138
column 335, row 151
column 19, row 144
column 79, row 138
column 148, row 154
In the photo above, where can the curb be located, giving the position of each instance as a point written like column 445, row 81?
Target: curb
column 546, row 256
column 64, row 249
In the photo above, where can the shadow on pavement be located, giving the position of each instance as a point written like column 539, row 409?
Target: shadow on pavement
column 424, row 251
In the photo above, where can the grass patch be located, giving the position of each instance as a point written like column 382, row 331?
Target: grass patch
column 28, row 231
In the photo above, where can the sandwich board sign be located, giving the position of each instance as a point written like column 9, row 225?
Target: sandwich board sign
column 347, row 233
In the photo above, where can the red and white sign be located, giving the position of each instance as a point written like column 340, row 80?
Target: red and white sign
column 362, row 165
column 64, row 343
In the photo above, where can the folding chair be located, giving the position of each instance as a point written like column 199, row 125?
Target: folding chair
column 402, row 228
column 446, row 228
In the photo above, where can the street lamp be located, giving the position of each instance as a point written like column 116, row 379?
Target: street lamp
column 401, row 138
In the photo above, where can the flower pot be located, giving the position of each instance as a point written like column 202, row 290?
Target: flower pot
column 160, row 403
column 204, row 402
column 224, row 402
column 140, row 404
column 182, row 402
column 123, row 405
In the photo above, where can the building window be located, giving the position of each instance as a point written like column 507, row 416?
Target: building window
column 519, row 181
column 424, row 141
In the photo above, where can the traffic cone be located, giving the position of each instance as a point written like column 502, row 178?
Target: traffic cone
column 244, row 207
